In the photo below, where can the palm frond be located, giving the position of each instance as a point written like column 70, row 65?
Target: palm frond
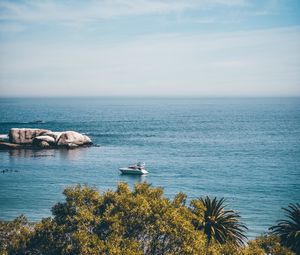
column 220, row 224
column 288, row 229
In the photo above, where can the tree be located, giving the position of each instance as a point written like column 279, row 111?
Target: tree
column 288, row 229
column 263, row 245
column 136, row 222
column 217, row 223
column 14, row 234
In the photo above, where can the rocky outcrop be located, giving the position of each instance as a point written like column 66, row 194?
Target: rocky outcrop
column 43, row 144
column 25, row 135
column 42, row 138
column 71, row 137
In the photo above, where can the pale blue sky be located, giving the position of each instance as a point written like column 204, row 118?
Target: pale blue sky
column 150, row 48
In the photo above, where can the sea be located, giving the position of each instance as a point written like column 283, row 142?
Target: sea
column 246, row 150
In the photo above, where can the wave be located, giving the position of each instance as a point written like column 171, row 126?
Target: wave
column 23, row 122
column 118, row 134
column 106, row 135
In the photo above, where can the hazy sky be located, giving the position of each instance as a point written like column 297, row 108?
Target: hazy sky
column 150, row 48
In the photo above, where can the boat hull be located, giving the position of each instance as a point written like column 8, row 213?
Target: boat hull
column 133, row 171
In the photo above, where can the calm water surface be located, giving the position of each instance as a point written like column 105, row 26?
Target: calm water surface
column 246, row 150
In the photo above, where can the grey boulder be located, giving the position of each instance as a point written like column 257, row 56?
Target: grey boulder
column 71, row 138
column 43, row 141
column 43, row 138
column 25, row 135
column 43, row 144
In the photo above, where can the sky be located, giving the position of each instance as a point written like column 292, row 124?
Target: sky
column 148, row 48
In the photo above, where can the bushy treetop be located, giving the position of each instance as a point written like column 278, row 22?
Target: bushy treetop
column 125, row 221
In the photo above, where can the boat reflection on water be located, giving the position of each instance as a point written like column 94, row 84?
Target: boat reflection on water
column 132, row 177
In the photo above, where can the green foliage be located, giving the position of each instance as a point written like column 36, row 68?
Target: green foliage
column 122, row 222
column 217, row 223
column 288, row 230
column 142, row 221
column 13, row 234
column 266, row 245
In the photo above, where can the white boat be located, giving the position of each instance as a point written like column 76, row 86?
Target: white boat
column 138, row 169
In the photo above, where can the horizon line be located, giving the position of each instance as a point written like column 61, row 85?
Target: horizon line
column 147, row 97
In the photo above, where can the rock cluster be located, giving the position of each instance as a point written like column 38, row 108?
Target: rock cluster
column 43, row 138
column 25, row 135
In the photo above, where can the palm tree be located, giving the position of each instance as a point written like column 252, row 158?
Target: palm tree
column 219, row 224
column 289, row 230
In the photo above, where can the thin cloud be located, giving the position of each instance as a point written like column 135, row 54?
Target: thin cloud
column 253, row 63
column 11, row 28
column 139, row 47
column 90, row 10
column 90, row 13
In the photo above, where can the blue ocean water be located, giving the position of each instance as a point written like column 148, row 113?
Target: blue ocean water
column 246, row 150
